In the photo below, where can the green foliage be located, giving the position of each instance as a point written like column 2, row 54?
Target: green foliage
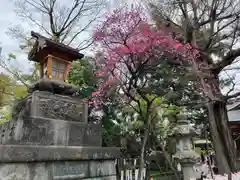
column 177, row 86
column 163, row 118
column 85, row 91
column 6, row 114
column 112, row 122
column 82, row 75
column 111, row 134
column 19, row 92
column 9, row 91
column 5, row 89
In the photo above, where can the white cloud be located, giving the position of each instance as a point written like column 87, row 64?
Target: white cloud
column 9, row 45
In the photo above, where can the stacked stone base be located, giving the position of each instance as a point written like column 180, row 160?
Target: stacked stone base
column 50, row 138
column 20, row 162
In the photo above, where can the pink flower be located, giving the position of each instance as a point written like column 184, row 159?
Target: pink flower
column 94, row 94
column 98, row 35
column 178, row 45
column 127, row 41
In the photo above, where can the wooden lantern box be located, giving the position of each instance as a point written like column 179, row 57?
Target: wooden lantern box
column 54, row 58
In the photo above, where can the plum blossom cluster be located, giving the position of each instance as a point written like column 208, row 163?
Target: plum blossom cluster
column 125, row 36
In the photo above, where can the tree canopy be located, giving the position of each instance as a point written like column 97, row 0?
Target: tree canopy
column 212, row 27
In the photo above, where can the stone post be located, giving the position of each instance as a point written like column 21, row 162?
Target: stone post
column 185, row 153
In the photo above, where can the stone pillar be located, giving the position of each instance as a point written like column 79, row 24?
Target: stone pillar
column 50, row 138
column 185, row 153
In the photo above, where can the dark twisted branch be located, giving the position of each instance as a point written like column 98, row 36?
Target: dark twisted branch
column 227, row 60
column 232, row 96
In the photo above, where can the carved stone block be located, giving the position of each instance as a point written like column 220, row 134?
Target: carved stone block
column 41, row 131
column 54, row 106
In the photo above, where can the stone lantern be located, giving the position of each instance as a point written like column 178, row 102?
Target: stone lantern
column 54, row 57
column 185, row 154
column 50, row 135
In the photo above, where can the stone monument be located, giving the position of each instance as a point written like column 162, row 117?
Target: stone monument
column 49, row 136
column 185, row 154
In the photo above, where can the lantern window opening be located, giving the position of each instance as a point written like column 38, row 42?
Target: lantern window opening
column 58, row 68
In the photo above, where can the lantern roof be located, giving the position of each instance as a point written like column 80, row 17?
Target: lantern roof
column 183, row 128
column 187, row 157
column 46, row 45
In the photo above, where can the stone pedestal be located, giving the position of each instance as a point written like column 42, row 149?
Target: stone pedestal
column 189, row 171
column 21, row 162
column 50, row 138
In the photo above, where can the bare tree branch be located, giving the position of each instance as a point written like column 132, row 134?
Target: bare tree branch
column 37, row 6
column 226, row 60
column 68, row 20
column 28, row 15
column 80, row 30
column 51, row 19
column 62, row 22
column 231, row 69
column 232, row 96
column 15, row 74
column 219, row 19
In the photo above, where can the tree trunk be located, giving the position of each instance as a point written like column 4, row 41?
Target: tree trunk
column 221, row 136
column 142, row 155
